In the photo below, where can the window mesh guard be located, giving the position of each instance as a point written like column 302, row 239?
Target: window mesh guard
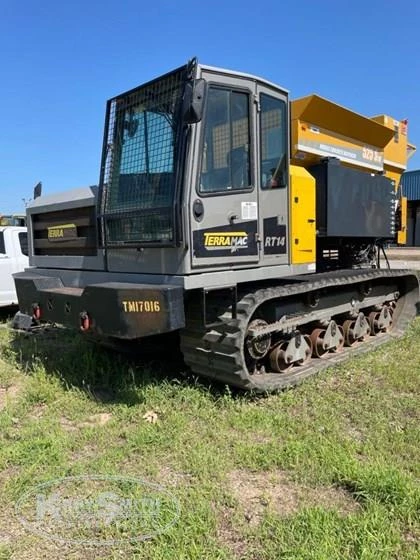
column 140, row 162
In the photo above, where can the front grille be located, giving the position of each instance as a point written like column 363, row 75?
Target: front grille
column 84, row 243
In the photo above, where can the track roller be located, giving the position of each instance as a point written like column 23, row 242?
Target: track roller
column 319, row 348
column 287, row 353
column 356, row 330
column 278, row 361
column 327, row 340
column 380, row 321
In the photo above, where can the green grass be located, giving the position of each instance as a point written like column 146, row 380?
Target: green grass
column 328, row 470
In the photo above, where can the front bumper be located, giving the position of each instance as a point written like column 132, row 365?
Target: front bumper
column 115, row 309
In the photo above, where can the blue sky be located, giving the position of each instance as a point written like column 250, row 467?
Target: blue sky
column 61, row 61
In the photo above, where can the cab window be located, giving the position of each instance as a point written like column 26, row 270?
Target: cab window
column 226, row 145
column 273, row 134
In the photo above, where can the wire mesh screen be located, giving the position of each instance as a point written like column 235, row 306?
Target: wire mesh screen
column 140, row 162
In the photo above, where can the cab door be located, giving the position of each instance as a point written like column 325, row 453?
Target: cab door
column 273, row 175
column 224, row 199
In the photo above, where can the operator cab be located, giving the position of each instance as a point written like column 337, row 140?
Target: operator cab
column 195, row 164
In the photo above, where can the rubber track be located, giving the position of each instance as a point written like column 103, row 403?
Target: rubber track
column 218, row 352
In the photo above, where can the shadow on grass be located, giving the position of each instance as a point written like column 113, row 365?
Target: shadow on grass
column 117, row 374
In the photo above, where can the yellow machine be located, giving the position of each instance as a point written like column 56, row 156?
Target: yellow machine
column 321, row 128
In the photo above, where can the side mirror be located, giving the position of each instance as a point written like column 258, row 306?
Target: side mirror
column 193, row 105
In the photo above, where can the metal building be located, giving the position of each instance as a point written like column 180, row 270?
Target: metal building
column 410, row 183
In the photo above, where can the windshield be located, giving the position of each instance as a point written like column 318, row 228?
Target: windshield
column 140, row 162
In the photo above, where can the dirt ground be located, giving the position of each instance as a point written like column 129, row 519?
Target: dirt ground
column 403, row 257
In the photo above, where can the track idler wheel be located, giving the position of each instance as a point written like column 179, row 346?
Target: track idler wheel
column 287, row 353
column 258, row 346
column 356, row 330
column 380, row 321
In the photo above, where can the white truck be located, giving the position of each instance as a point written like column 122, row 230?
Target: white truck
column 13, row 258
